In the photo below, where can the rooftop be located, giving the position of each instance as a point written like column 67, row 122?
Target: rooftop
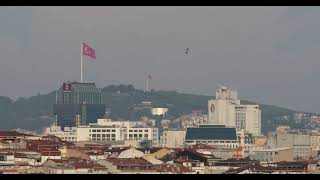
column 84, row 87
column 12, row 133
column 130, row 162
column 211, row 133
column 274, row 149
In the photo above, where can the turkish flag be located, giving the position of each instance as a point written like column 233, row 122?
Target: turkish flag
column 88, row 51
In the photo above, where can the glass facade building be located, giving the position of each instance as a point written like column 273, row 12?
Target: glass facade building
column 83, row 99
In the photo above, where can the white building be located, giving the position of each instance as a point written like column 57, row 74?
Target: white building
column 227, row 110
column 67, row 134
column 107, row 130
column 159, row 111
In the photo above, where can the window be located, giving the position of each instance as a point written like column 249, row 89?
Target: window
column 94, row 130
column 146, row 135
column 140, row 130
column 135, row 135
column 99, row 130
column 108, row 130
column 108, row 135
column 113, row 130
column 113, row 135
column 104, row 130
column 98, row 135
column 146, row 130
column 94, row 135
column 135, row 130
column 103, row 135
column 130, row 131
column 130, row 135
column 140, row 135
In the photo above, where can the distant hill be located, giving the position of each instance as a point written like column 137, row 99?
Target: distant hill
column 35, row 112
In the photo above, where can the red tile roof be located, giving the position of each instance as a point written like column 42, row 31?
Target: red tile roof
column 16, row 150
column 94, row 153
column 129, row 162
column 12, row 134
column 174, row 168
column 256, row 167
column 84, row 165
column 20, row 155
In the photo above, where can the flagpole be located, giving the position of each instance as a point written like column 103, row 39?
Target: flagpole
column 147, row 82
column 81, row 64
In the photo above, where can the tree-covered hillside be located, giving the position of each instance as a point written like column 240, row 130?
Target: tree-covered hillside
column 36, row 112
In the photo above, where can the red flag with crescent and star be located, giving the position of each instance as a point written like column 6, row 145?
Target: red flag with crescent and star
column 88, row 51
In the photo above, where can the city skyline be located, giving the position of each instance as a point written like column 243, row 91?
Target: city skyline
column 261, row 51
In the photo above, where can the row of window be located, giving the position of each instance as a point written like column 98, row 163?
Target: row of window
column 103, row 139
column 136, row 135
column 213, row 141
column 113, row 130
column 103, row 130
column 140, row 130
column 68, row 138
column 102, row 135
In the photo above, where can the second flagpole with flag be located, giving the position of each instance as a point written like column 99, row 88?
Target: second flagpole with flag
column 148, row 77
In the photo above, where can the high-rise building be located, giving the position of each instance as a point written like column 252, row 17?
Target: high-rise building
column 227, row 110
column 78, row 104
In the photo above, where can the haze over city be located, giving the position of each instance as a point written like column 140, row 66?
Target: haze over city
column 270, row 54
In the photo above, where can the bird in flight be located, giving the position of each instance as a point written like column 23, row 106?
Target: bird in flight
column 187, row 50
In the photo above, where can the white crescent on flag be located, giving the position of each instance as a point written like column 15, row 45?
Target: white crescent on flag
column 88, row 51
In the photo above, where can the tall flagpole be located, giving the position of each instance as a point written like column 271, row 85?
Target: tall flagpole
column 81, row 64
column 147, row 82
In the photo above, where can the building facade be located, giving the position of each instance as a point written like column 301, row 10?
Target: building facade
column 66, row 134
column 218, row 135
column 227, row 110
column 284, row 138
column 106, row 131
column 173, row 138
column 273, row 155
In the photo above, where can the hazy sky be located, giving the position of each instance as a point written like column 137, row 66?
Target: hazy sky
column 270, row 54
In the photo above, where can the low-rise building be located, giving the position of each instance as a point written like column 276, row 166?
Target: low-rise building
column 173, row 138
column 53, row 166
column 273, row 155
column 314, row 143
column 212, row 135
column 67, row 134
column 106, row 131
column 299, row 141
column 278, row 168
